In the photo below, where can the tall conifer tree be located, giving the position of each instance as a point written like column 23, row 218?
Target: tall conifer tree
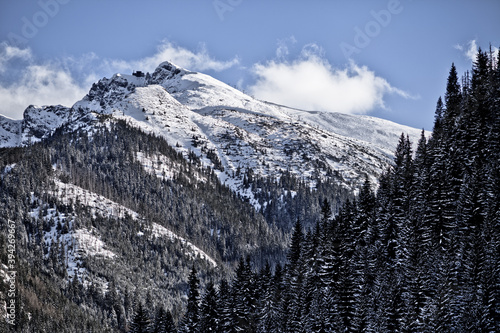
column 191, row 320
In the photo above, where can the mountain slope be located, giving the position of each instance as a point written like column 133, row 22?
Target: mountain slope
column 114, row 215
column 231, row 132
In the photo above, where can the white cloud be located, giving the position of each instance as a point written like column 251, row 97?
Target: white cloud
column 7, row 53
column 39, row 85
column 470, row 50
column 196, row 61
column 311, row 83
column 312, row 50
column 30, row 82
column 25, row 80
column 282, row 51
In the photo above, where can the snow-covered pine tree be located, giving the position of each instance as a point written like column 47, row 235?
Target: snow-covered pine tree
column 140, row 322
column 243, row 299
column 191, row 320
column 209, row 310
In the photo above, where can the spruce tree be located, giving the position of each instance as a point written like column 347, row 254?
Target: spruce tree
column 169, row 323
column 268, row 307
column 225, row 305
column 191, row 320
column 209, row 318
column 163, row 323
column 421, row 192
column 243, row 299
column 296, row 246
column 326, row 212
column 452, row 99
column 140, row 322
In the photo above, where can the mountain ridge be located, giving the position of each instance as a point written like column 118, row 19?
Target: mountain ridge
column 227, row 129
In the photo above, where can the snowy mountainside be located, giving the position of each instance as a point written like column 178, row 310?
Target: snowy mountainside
column 380, row 133
column 100, row 205
column 40, row 122
column 118, row 209
column 230, row 131
column 82, row 242
column 10, row 132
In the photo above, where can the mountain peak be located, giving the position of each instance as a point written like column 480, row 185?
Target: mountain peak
column 165, row 71
column 170, row 66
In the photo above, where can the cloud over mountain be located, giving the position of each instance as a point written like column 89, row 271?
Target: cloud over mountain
column 311, row 83
column 28, row 80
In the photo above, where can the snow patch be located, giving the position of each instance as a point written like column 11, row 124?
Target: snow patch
column 98, row 204
column 105, row 207
column 160, row 231
column 90, row 244
column 158, row 165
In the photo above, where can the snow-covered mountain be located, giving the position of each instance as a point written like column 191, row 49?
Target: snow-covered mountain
column 109, row 209
column 230, row 131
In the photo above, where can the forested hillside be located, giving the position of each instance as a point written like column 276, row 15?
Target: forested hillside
column 97, row 228
column 109, row 216
column 420, row 255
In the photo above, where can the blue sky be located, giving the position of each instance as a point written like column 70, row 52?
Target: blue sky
column 388, row 58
